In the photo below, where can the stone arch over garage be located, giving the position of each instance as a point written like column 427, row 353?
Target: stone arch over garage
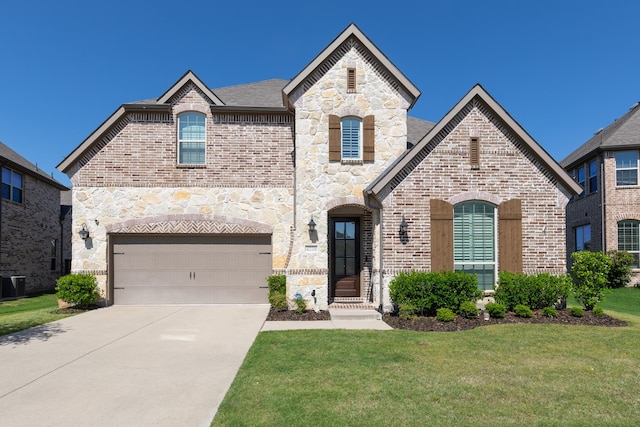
column 189, row 224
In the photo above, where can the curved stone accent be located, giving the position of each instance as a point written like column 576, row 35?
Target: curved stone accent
column 347, row 201
column 189, row 224
column 475, row 195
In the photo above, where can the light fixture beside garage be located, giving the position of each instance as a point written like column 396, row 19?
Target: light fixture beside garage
column 403, row 227
column 84, row 233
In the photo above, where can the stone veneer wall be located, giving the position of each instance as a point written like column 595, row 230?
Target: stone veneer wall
column 321, row 184
column 27, row 231
column 506, row 172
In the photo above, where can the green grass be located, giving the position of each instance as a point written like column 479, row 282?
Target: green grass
column 25, row 313
column 497, row 375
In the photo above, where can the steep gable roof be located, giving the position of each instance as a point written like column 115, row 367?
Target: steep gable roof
column 351, row 31
column 395, row 173
column 15, row 161
column 266, row 94
column 189, row 77
column 623, row 133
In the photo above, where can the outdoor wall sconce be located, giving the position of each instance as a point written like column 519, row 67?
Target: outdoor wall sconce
column 84, row 233
column 312, row 225
column 403, row 227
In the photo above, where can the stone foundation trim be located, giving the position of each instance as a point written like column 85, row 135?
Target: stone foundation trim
column 189, row 224
column 94, row 272
column 302, row 271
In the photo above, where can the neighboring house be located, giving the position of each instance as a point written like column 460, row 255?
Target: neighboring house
column 198, row 195
column 606, row 214
column 32, row 232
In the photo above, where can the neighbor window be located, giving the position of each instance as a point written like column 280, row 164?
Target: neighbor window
column 629, row 239
column 351, row 131
column 474, row 241
column 583, row 237
column 626, row 168
column 54, row 254
column 593, row 176
column 191, row 139
column 581, row 180
column 12, row 185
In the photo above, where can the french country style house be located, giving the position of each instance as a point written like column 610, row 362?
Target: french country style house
column 605, row 216
column 198, row 195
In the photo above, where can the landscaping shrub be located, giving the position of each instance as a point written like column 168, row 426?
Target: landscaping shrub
column 536, row 291
column 598, row 311
column 445, row 314
column 522, row 310
column 407, row 311
column 620, row 271
column 79, row 290
column 549, row 312
column 495, row 310
column 590, row 273
column 301, row 304
column 468, row 309
column 576, row 311
column 429, row 291
column 277, row 291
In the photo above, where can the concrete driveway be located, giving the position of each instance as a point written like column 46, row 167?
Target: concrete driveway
column 126, row 365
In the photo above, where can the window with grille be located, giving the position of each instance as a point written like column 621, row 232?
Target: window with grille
column 629, row 239
column 474, row 241
column 351, row 131
column 626, row 168
column 191, row 139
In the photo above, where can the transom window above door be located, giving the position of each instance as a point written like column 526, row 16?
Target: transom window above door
column 191, row 139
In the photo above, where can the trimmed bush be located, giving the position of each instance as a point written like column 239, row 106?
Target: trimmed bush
column 468, row 309
column 536, row 291
column 590, row 273
column 445, row 314
column 522, row 310
column 620, row 271
column 301, row 304
column 407, row 311
column 428, row 292
column 495, row 310
column 576, row 311
column 550, row 312
column 598, row 311
column 277, row 291
column 79, row 290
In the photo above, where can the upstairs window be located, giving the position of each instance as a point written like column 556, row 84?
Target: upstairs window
column 351, row 131
column 626, row 168
column 629, row 239
column 191, row 139
column 593, row 176
column 580, row 177
column 12, row 185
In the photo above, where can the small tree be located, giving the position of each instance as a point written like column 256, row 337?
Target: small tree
column 589, row 272
column 80, row 290
column 620, row 272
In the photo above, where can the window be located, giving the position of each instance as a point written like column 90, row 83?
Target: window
column 580, row 178
column 54, row 254
column 351, row 79
column 626, row 168
column 12, row 185
column 351, row 129
column 191, row 139
column 629, row 239
column 474, row 241
column 593, row 176
column 583, row 237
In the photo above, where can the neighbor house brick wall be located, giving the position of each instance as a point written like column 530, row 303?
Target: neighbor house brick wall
column 506, row 172
column 28, row 229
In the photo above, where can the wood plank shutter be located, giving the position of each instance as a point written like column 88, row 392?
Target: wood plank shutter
column 335, row 139
column 474, row 153
column 368, row 146
column 510, row 236
column 441, row 235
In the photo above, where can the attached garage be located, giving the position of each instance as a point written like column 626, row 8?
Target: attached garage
column 161, row 269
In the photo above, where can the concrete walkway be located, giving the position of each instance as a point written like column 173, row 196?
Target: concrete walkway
column 340, row 319
column 123, row 366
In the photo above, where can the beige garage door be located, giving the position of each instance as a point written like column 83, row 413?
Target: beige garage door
column 191, row 269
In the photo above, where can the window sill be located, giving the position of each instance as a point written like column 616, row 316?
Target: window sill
column 623, row 187
column 191, row 166
column 352, row 162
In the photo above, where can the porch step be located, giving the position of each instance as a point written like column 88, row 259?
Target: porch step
column 353, row 314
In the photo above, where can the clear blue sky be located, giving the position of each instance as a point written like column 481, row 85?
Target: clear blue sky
column 562, row 68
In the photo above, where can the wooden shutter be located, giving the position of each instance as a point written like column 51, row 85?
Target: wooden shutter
column 474, row 153
column 510, row 236
column 441, row 236
column 368, row 140
column 334, row 138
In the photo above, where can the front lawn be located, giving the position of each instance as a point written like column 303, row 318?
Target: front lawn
column 25, row 313
column 517, row 374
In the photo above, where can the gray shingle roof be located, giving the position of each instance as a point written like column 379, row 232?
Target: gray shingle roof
column 417, row 129
column 16, row 161
column 267, row 93
column 624, row 132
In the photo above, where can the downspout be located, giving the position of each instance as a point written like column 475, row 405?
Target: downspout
column 602, row 207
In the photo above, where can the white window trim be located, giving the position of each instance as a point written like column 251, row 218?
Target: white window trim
column 180, row 141
column 360, row 141
column 636, row 168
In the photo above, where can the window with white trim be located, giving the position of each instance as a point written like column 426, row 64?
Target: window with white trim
column 583, row 237
column 351, row 132
column 629, row 239
column 626, row 168
column 12, row 185
column 191, row 139
column 474, row 241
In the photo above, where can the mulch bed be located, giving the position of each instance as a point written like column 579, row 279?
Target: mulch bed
column 460, row 323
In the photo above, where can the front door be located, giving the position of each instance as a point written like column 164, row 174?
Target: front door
column 345, row 257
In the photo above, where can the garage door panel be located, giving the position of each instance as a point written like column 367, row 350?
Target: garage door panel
column 191, row 269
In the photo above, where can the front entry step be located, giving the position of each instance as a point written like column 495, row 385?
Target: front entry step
column 354, row 314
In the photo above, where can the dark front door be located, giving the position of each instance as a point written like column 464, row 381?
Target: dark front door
column 345, row 257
